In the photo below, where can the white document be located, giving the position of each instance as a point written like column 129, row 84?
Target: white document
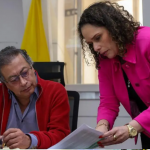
column 83, row 137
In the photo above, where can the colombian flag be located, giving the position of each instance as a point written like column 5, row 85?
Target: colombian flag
column 34, row 39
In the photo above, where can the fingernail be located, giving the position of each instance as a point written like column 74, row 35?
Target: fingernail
column 101, row 136
column 99, row 143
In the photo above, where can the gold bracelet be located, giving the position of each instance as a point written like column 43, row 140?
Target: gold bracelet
column 104, row 125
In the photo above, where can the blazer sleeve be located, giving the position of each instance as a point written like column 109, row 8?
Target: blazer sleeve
column 109, row 104
column 143, row 45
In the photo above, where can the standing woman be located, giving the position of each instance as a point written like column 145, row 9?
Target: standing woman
column 121, row 50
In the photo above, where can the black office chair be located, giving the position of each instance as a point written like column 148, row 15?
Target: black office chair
column 55, row 71
column 50, row 71
column 73, row 97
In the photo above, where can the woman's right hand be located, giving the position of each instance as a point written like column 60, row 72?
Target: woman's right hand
column 102, row 128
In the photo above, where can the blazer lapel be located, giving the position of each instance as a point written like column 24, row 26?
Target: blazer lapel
column 120, row 86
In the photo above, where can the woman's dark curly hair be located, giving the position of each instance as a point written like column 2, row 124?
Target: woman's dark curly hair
column 115, row 19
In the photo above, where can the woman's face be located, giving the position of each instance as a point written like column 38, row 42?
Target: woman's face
column 101, row 40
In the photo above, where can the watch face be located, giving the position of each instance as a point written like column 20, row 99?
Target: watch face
column 133, row 132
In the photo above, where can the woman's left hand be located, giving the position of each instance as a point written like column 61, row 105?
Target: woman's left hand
column 115, row 136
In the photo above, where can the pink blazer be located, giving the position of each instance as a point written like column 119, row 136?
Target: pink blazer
column 112, row 86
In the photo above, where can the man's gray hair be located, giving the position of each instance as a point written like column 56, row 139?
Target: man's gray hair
column 8, row 54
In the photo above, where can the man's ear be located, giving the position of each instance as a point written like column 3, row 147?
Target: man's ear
column 2, row 80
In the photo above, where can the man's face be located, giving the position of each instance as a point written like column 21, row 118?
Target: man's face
column 23, row 86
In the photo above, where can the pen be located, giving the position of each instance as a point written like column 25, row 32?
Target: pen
column 2, row 144
column 1, row 141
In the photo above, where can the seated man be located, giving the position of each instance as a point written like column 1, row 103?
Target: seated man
column 33, row 112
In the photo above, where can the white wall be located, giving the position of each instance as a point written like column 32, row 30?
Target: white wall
column 11, row 23
column 25, row 7
column 146, row 12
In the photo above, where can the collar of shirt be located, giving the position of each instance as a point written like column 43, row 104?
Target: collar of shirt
column 130, row 56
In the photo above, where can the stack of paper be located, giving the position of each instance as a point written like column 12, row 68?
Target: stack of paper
column 82, row 138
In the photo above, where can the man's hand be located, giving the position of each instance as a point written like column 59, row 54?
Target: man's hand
column 115, row 136
column 15, row 138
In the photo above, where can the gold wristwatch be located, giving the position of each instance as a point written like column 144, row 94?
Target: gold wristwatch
column 132, row 131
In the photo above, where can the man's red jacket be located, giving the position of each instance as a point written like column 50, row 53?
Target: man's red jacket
column 52, row 112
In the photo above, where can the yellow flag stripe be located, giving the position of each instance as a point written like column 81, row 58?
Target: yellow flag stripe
column 34, row 39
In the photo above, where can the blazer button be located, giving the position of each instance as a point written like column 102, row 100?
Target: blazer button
column 137, row 84
column 127, row 66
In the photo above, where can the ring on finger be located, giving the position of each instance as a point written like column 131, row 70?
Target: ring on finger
column 114, row 137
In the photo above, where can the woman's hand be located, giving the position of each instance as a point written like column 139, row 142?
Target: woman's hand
column 102, row 128
column 115, row 136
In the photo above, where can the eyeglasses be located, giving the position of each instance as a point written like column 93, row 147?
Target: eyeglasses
column 16, row 79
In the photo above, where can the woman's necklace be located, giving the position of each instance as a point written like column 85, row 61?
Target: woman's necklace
column 122, row 62
column 129, row 83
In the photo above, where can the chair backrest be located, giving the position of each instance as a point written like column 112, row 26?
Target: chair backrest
column 50, row 71
column 74, row 107
column 55, row 71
